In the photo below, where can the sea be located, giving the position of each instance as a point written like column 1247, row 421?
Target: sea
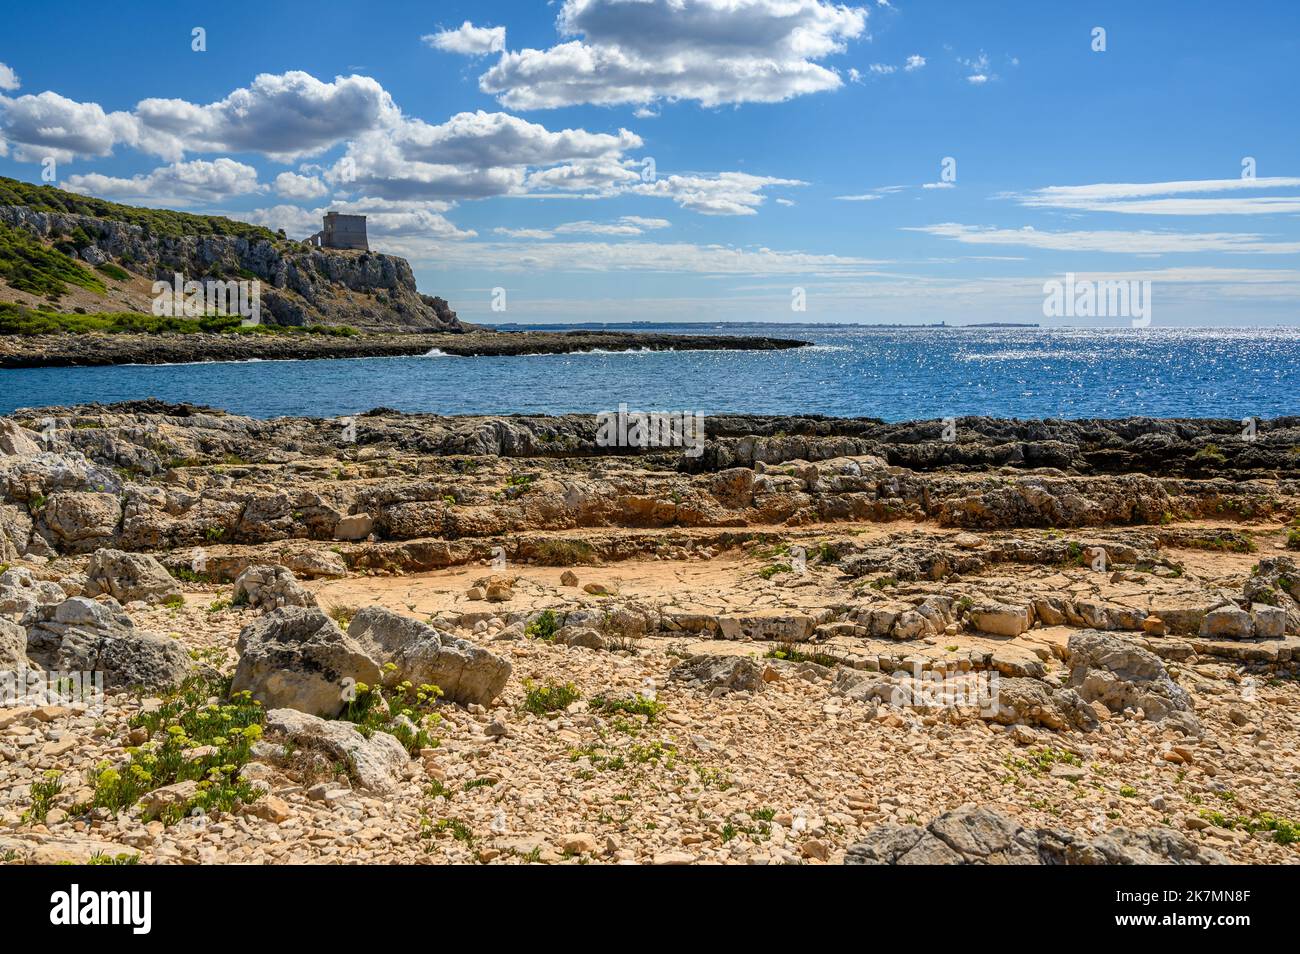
column 895, row 373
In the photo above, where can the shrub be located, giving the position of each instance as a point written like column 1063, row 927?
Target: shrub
column 404, row 712
column 544, row 626
column 551, row 697
column 190, row 718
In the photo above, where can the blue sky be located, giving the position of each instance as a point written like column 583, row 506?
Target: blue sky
column 795, row 144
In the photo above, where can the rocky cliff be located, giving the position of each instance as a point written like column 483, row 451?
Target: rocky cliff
column 301, row 285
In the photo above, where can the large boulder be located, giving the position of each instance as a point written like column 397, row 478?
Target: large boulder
column 21, row 593
column 1034, row 702
column 82, row 635
column 270, row 588
column 978, row 835
column 1001, row 619
column 13, row 646
column 421, row 654
column 129, row 576
column 16, row 441
column 1120, row 675
column 79, row 521
column 376, row 763
column 1227, row 622
column 298, row 658
column 780, row 625
column 720, row 674
column 15, row 532
column 1275, row 581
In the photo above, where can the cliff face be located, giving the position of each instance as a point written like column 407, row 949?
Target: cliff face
column 301, row 285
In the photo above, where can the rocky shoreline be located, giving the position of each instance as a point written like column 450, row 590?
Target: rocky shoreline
column 819, row 641
column 81, row 350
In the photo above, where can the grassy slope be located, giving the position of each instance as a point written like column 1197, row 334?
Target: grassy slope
column 31, row 266
column 155, row 221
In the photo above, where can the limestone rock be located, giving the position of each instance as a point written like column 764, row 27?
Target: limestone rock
column 978, row 835
column 21, row 593
column 129, row 576
column 315, row 564
column 1269, row 621
column 1034, row 702
column 16, row 441
column 298, row 658
column 1119, row 674
column 376, row 763
column 82, row 635
column 779, row 625
column 355, row 526
column 13, row 646
column 269, row 588
column 464, row 672
column 1001, row 619
column 1227, row 622
column 82, row 521
column 720, row 673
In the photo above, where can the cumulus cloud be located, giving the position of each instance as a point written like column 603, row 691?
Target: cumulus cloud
column 711, row 51
column 475, row 155
column 291, row 185
column 727, row 193
column 1135, row 242
column 8, row 78
column 284, row 116
column 48, row 124
column 468, row 39
column 179, row 183
column 914, row 62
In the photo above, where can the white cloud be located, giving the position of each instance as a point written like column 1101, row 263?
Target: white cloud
column 284, row 116
column 978, row 67
column 293, row 186
column 468, row 39
column 627, row 225
column 882, row 69
column 1144, row 198
column 601, row 176
column 179, row 183
column 864, row 197
column 711, row 51
column 480, row 154
column 939, row 185
column 1136, row 242
column 727, row 193
column 8, row 78
column 48, row 124
column 914, row 62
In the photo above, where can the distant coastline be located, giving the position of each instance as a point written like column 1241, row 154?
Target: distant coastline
column 85, row 350
column 516, row 327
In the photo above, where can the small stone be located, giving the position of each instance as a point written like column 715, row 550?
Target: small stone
column 579, row 843
column 568, row 578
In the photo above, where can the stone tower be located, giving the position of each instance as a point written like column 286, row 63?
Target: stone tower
column 342, row 231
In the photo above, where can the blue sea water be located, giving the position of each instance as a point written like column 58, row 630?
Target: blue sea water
column 890, row 373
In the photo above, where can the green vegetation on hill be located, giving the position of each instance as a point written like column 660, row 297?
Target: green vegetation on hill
column 156, row 221
column 30, row 266
column 18, row 320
